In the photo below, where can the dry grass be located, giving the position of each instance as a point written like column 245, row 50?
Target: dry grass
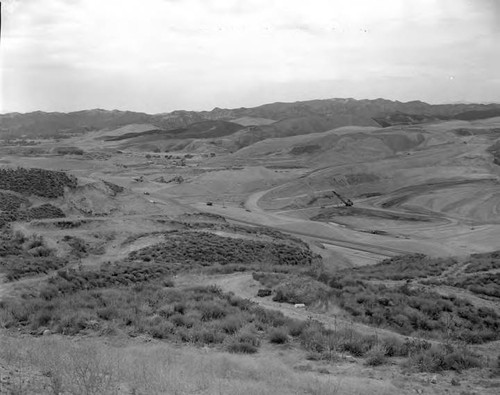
column 88, row 366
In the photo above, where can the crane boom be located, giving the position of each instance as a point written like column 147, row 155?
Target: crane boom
column 347, row 202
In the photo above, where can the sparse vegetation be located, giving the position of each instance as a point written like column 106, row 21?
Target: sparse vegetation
column 483, row 284
column 22, row 257
column 483, row 262
column 23, row 266
column 93, row 366
column 199, row 315
column 444, row 357
column 407, row 309
column 121, row 274
column 404, row 267
column 416, row 311
column 80, row 248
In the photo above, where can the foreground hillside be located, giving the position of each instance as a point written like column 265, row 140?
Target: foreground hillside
column 374, row 329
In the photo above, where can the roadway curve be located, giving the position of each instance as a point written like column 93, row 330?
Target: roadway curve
column 259, row 217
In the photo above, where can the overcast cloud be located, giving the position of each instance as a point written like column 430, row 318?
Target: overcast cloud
column 162, row 55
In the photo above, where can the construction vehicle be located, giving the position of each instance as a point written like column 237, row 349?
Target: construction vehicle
column 347, row 202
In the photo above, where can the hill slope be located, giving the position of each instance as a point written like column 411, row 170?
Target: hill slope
column 332, row 112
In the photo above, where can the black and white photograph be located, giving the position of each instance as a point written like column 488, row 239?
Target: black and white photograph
column 249, row 197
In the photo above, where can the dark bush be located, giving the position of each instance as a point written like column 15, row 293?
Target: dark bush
column 295, row 327
column 232, row 324
column 376, row 356
column 241, row 348
column 278, row 336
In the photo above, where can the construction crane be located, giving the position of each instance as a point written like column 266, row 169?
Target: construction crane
column 347, row 202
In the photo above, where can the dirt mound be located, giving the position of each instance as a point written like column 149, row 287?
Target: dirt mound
column 101, row 198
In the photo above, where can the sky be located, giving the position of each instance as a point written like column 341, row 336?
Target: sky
column 162, row 55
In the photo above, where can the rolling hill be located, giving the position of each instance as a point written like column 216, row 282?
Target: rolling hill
column 323, row 114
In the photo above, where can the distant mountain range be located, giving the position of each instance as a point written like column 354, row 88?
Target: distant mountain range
column 271, row 120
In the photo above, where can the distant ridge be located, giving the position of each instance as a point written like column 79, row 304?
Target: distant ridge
column 327, row 114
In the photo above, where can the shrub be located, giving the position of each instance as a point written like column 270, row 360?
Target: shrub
column 208, row 335
column 162, row 330
column 300, row 290
column 439, row 358
column 273, row 318
column 278, row 336
column 313, row 338
column 394, row 347
column 211, row 311
column 241, row 348
column 376, row 356
column 231, row 324
column 295, row 327
column 354, row 347
column 182, row 320
column 248, row 337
